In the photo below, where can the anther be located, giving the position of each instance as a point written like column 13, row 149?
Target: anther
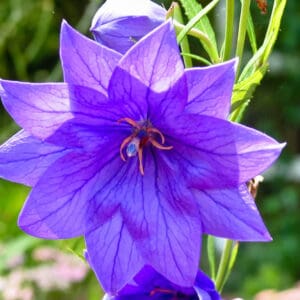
column 124, row 143
column 132, row 147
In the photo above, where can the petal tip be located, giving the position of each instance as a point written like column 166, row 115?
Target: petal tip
column 276, row 147
column 32, row 225
column 235, row 62
column 282, row 145
column 260, row 236
column 268, row 237
column 64, row 23
column 65, row 28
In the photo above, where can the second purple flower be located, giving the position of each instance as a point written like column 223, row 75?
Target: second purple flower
column 119, row 24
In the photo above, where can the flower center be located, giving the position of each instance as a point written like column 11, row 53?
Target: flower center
column 143, row 133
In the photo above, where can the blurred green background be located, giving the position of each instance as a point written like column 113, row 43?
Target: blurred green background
column 29, row 40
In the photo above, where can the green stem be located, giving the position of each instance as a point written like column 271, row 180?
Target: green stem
column 202, row 37
column 184, row 44
column 229, row 29
column 231, row 263
column 223, row 266
column 242, row 30
column 273, row 28
column 197, row 57
column 194, row 21
column 211, row 253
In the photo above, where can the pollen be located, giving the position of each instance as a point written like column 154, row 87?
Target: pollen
column 143, row 134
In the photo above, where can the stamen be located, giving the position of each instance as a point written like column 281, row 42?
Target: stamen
column 143, row 132
column 130, row 122
column 154, row 130
column 140, row 154
column 159, row 146
column 132, row 147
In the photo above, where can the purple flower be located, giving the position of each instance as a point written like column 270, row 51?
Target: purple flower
column 136, row 154
column 148, row 284
column 119, row 24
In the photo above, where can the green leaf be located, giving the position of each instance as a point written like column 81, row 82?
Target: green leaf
column 192, row 7
column 243, row 91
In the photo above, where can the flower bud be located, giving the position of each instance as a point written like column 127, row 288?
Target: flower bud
column 118, row 24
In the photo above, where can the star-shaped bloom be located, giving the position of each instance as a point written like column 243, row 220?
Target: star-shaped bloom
column 150, row 285
column 119, row 24
column 135, row 153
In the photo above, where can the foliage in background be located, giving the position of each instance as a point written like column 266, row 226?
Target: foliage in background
column 29, row 51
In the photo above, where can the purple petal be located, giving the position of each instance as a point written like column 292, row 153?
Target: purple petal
column 141, row 103
column 148, row 280
column 214, row 153
column 205, row 287
column 232, row 214
column 84, row 61
column 155, row 60
column 210, row 89
column 166, row 105
column 149, row 284
column 24, row 158
column 67, row 200
column 161, row 214
column 125, row 89
column 113, row 254
column 152, row 74
column 144, row 281
column 39, row 108
column 60, row 113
